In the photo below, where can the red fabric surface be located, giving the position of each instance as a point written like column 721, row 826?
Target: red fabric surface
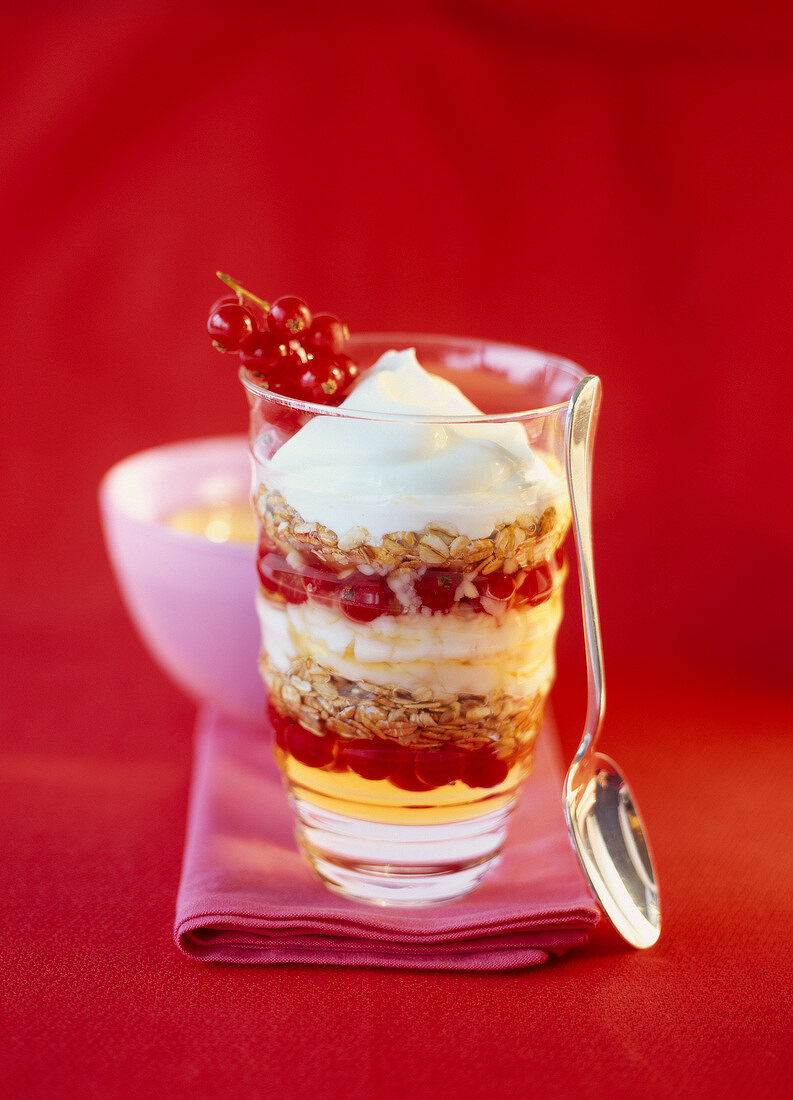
column 610, row 183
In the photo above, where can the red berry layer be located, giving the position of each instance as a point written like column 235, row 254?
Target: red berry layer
column 424, row 769
column 362, row 598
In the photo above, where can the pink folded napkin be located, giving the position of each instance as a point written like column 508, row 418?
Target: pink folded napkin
column 248, row 896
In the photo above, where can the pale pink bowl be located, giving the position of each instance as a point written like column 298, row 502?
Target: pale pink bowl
column 192, row 600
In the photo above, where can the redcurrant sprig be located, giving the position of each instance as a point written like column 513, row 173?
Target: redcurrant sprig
column 285, row 347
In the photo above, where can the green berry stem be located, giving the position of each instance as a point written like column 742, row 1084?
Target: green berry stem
column 241, row 292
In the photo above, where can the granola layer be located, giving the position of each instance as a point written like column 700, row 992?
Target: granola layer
column 322, row 701
column 524, row 544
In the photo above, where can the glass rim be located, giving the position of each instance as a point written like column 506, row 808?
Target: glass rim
column 566, row 366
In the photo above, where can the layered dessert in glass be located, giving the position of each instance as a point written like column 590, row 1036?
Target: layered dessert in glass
column 410, row 573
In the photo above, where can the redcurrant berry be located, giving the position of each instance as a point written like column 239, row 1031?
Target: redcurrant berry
column 321, row 585
column 370, row 758
column 289, row 318
column 279, row 724
column 363, row 599
column 285, row 385
column 326, row 335
column 231, row 326
column 320, row 379
column 276, row 576
column 313, row 750
column 537, row 585
column 482, row 768
column 436, row 588
column 439, row 767
column 500, row 586
column 350, row 368
column 269, row 566
column 292, row 587
column 404, row 774
column 265, row 356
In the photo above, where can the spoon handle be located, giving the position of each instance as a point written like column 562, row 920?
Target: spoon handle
column 579, row 444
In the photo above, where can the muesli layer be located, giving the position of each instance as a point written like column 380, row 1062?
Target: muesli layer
column 523, row 544
column 321, row 700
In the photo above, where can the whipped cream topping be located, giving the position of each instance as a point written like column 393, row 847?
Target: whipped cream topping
column 396, row 475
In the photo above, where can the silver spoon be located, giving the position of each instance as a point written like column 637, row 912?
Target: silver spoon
column 602, row 816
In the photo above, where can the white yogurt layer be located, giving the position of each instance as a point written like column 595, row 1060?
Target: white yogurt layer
column 390, row 476
column 476, row 655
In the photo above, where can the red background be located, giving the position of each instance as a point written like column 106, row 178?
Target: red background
column 610, row 184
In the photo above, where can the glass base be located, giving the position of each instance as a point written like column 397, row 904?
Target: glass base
column 405, row 865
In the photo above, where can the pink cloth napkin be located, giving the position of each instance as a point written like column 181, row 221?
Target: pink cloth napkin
column 247, row 895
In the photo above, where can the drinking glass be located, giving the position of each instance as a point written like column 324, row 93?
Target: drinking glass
column 408, row 655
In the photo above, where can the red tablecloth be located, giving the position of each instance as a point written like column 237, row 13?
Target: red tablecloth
column 608, row 184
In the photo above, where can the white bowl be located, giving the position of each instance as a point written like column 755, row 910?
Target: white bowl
column 191, row 599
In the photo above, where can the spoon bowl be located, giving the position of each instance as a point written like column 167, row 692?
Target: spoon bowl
column 602, row 816
column 608, row 835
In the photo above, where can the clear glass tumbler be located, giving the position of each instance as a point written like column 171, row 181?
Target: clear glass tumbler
column 408, row 652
